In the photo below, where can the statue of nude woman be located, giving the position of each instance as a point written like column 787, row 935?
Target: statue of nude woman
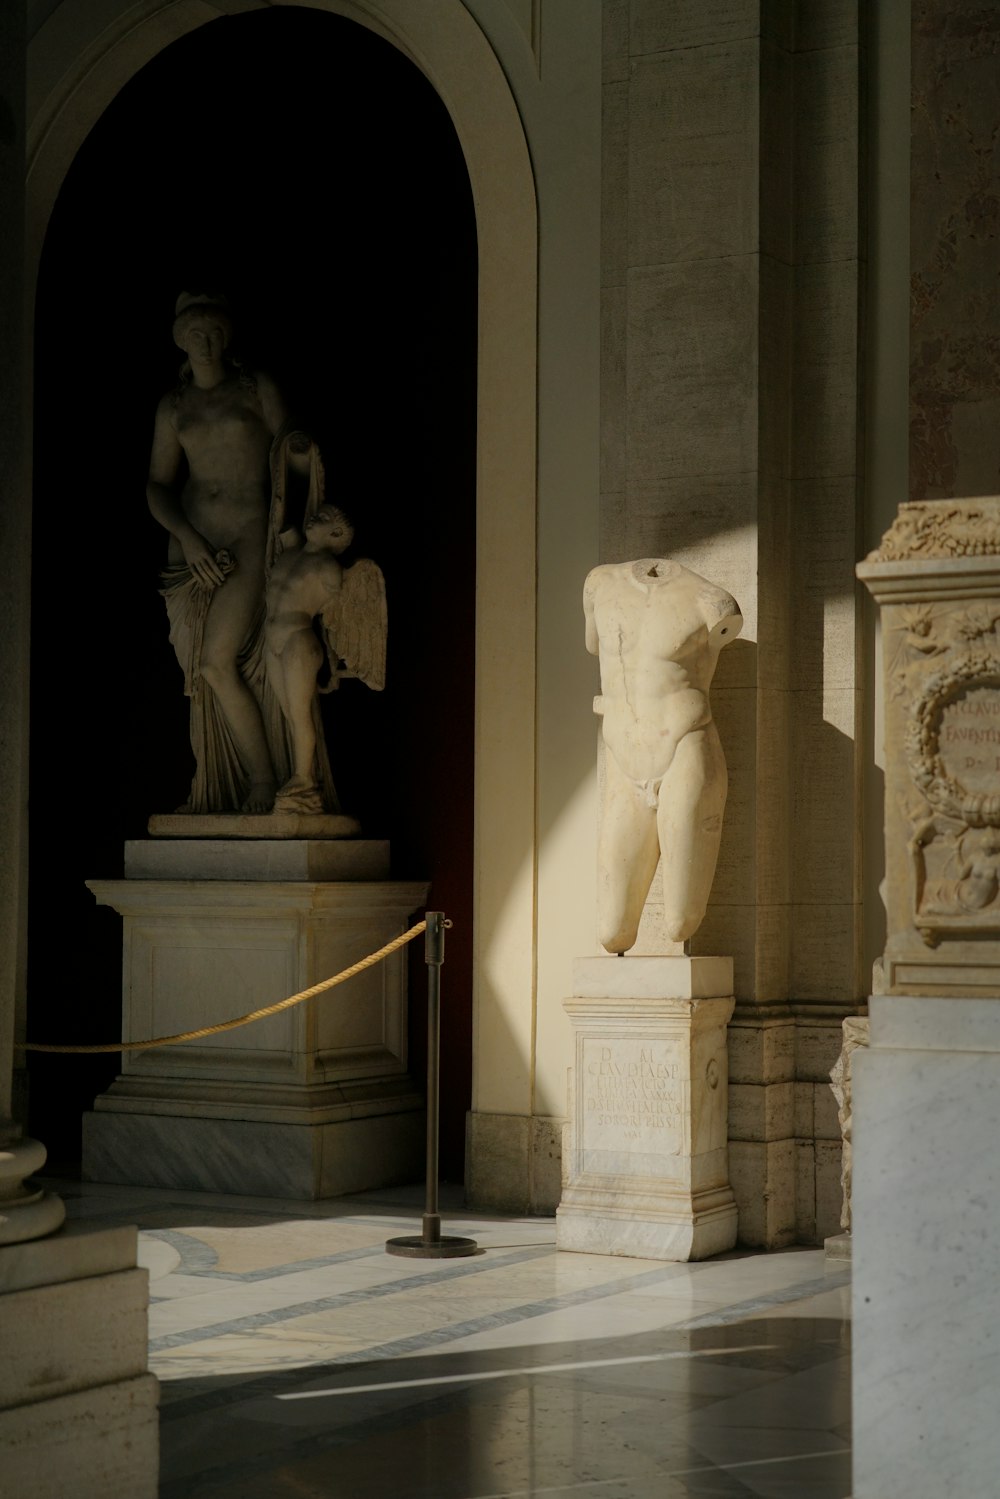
column 658, row 630
column 210, row 487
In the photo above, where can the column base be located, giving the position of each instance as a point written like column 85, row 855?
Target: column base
column 26, row 1211
column 513, row 1163
column 78, row 1409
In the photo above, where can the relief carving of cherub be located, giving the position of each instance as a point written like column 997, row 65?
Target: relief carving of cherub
column 916, row 641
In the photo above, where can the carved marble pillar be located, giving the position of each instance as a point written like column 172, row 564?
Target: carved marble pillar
column 855, row 1032
column 26, row 1212
column 925, row 1209
column 936, row 578
column 78, row 1409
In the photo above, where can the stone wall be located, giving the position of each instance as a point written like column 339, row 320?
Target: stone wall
column 954, row 228
column 732, row 275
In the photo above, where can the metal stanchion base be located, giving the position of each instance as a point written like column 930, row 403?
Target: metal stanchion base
column 432, row 1244
column 446, row 1248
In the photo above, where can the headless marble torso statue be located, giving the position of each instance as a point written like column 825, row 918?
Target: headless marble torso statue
column 658, row 630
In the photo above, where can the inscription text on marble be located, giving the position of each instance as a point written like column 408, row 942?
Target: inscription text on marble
column 969, row 738
column 633, row 1094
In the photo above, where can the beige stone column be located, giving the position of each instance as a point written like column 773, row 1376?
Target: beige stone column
column 78, row 1409
column 26, row 1211
column 731, row 276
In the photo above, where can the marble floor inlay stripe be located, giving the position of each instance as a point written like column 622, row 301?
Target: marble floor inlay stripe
column 743, row 1309
column 333, row 1303
column 198, row 1258
column 419, row 1342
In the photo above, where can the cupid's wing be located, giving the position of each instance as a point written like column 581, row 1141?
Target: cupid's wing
column 356, row 625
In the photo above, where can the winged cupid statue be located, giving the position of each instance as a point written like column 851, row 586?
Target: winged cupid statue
column 306, row 586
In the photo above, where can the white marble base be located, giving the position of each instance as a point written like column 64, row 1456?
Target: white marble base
column 78, row 1409
column 630, row 1223
column 254, row 1158
column 926, row 1232
column 646, row 1159
column 311, row 1102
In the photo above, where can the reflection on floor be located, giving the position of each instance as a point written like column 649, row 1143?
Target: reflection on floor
column 299, row 1360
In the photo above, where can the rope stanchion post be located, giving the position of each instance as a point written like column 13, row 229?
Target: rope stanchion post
column 431, row 1243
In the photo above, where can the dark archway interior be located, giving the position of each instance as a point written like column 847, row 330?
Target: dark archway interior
column 303, row 166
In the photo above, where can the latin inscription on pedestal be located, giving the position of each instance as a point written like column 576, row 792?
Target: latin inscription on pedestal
column 969, row 739
column 633, row 1099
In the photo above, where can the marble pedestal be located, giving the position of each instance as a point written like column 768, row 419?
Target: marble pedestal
column 646, row 1160
column 78, row 1408
column 925, row 1210
column 313, row 1102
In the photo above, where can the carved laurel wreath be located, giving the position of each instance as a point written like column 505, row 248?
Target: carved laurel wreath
column 978, row 809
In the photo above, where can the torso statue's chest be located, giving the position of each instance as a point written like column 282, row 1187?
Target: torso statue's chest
column 638, row 629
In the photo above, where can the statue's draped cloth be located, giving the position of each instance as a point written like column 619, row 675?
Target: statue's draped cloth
column 221, row 781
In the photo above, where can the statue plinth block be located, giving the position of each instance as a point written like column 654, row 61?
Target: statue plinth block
column 646, row 1158
column 78, row 1411
column 305, row 825
column 257, row 859
column 311, row 1102
column 653, row 978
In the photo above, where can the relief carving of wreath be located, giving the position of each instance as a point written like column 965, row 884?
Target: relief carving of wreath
column 977, row 670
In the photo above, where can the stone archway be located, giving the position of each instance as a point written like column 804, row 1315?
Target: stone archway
column 77, row 63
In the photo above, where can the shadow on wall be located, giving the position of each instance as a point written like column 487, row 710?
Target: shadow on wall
column 329, row 200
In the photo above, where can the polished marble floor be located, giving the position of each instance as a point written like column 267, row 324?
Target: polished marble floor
column 299, row 1360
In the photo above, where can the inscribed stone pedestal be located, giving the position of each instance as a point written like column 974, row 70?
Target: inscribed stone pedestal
column 645, row 1156
column 936, row 577
column 926, row 1090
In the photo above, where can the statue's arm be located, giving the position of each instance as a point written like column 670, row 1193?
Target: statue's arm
column 162, row 497
column 272, row 404
column 277, row 420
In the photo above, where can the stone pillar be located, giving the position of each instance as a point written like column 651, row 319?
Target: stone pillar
column 926, row 1092
column 731, row 282
column 77, row 1407
column 26, row 1212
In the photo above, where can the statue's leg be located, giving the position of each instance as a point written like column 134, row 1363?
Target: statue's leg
column 689, row 818
column 626, row 858
column 231, row 615
column 301, row 659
